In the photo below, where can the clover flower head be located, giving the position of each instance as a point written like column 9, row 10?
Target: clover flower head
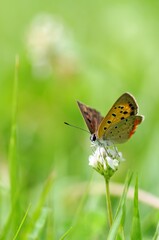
column 50, row 46
column 105, row 159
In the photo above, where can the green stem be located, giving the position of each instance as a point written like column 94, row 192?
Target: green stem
column 108, row 202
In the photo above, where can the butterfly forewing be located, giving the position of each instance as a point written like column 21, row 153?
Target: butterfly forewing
column 120, row 132
column 91, row 116
column 123, row 108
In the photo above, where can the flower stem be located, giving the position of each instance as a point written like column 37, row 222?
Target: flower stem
column 108, row 202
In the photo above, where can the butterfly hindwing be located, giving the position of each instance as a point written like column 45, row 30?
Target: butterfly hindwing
column 120, row 132
column 123, row 108
column 91, row 116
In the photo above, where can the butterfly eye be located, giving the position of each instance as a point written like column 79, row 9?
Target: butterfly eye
column 93, row 137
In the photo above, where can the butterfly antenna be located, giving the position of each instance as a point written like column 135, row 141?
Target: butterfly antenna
column 76, row 127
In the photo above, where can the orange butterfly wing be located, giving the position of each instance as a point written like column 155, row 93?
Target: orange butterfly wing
column 122, row 109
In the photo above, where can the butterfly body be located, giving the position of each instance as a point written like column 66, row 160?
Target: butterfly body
column 118, row 125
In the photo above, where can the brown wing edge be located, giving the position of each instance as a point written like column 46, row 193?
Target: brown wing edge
column 91, row 116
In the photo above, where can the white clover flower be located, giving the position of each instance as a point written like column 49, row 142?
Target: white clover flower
column 50, row 47
column 97, row 159
column 105, row 160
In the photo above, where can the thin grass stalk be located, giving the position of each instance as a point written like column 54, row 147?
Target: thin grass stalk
column 12, row 155
column 108, row 203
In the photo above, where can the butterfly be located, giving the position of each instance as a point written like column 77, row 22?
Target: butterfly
column 118, row 125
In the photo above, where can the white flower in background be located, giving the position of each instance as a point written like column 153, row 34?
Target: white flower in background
column 105, row 160
column 50, row 47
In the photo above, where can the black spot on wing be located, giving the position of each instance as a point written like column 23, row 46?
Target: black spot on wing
column 121, row 107
column 125, row 112
column 89, row 120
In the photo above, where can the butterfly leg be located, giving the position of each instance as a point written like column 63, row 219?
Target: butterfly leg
column 105, row 147
column 107, row 153
column 111, row 150
column 116, row 150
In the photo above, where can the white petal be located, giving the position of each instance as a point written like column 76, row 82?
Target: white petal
column 110, row 162
column 104, row 165
column 121, row 157
column 92, row 161
column 115, row 163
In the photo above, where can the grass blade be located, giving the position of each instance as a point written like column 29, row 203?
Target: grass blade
column 13, row 140
column 114, row 229
column 13, row 218
column 40, row 213
column 156, row 236
column 126, row 187
column 117, row 228
column 136, row 226
column 21, row 224
column 66, row 233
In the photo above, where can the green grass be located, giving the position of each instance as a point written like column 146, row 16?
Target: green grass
column 116, row 231
column 136, row 224
column 45, row 186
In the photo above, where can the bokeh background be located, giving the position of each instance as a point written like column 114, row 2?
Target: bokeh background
column 92, row 51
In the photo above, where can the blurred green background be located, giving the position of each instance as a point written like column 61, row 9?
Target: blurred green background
column 114, row 48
